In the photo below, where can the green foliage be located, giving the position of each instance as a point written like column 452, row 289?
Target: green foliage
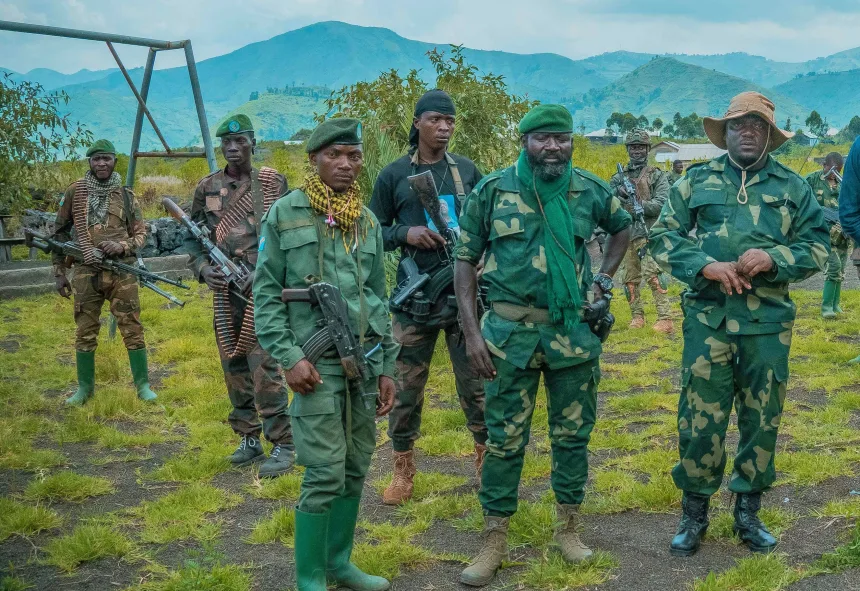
column 197, row 577
column 32, row 134
column 25, row 520
column 67, row 486
column 87, row 543
column 816, row 125
column 280, row 526
column 552, row 573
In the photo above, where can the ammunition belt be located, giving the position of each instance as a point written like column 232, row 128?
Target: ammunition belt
column 79, row 212
column 516, row 313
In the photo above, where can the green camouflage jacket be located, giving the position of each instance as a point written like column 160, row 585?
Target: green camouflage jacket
column 507, row 225
column 296, row 250
column 781, row 217
column 826, row 195
column 652, row 192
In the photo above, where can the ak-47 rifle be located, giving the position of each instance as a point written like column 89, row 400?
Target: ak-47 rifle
column 410, row 287
column 835, row 174
column 638, row 210
column 335, row 331
column 72, row 250
column 235, row 275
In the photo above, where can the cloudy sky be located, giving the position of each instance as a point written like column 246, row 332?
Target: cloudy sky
column 787, row 30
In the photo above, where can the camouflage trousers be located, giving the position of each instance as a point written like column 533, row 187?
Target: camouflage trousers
column 335, row 437
column 718, row 371
column 632, row 271
column 835, row 269
column 91, row 287
column 257, row 391
column 572, row 408
column 413, row 368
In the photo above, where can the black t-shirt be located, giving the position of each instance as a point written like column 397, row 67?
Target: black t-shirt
column 398, row 208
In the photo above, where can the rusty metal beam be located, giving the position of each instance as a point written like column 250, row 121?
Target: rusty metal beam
column 170, row 154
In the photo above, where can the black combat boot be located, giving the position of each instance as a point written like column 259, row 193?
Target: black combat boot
column 749, row 527
column 694, row 523
column 250, row 451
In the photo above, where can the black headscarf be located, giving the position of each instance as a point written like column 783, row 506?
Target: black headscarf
column 432, row 100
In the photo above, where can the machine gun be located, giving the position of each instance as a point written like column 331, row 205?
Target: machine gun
column 335, row 331
column 409, row 288
column 638, row 210
column 236, row 275
column 72, row 250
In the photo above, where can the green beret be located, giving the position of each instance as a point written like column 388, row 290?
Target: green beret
column 335, row 131
column 235, row 124
column 547, row 119
column 101, row 147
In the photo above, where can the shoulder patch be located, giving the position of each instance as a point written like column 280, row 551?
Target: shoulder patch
column 493, row 176
column 593, row 177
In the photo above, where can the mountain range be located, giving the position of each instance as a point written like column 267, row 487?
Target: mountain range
column 334, row 54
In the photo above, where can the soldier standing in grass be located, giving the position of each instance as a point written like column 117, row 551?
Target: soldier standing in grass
column 230, row 203
column 652, row 190
column 322, row 232
column 404, row 226
column 104, row 215
column 758, row 228
column 825, row 187
column 531, row 222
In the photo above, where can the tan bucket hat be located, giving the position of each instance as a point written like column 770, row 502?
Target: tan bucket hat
column 744, row 104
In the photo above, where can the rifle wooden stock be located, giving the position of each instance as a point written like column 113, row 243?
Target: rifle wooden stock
column 173, row 209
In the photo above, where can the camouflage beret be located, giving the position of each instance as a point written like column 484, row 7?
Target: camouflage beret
column 637, row 136
column 334, row 131
column 101, row 147
column 547, row 119
column 235, row 124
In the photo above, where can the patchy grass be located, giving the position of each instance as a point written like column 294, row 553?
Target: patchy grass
column 280, row 526
column 87, row 543
column 18, row 519
column 777, row 521
column 552, row 573
column 219, row 577
column 67, row 486
column 808, row 469
column 848, row 508
column 769, row 572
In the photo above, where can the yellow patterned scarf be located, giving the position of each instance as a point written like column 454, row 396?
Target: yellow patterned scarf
column 342, row 210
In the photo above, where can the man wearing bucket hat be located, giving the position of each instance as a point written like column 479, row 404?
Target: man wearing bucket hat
column 231, row 203
column 758, row 228
column 531, row 221
column 652, row 190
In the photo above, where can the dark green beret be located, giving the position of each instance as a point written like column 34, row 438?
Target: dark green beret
column 101, row 147
column 335, row 131
column 547, row 119
column 234, row 124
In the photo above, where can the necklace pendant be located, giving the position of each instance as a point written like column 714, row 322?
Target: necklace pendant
column 330, row 221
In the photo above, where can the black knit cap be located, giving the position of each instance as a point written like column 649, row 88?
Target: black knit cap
column 432, row 100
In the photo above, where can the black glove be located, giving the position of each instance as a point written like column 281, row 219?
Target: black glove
column 600, row 320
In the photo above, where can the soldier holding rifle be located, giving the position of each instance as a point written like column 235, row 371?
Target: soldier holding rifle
column 320, row 239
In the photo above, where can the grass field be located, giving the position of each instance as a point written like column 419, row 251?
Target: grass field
column 122, row 495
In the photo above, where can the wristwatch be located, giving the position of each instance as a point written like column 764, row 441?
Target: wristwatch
column 604, row 281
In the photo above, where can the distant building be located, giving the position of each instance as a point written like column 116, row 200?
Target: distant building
column 603, row 136
column 686, row 153
column 293, row 142
column 805, row 138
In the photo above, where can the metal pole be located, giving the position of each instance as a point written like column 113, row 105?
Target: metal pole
column 140, row 102
column 90, row 35
column 201, row 111
column 138, row 120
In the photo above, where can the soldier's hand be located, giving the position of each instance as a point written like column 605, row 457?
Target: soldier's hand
column 386, row 396
column 303, row 377
column 479, row 357
column 249, row 284
column 213, row 277
column 753, row 262
column 727, row 274
column 425, row 238
column 63, row 286
column 111, row 248
column 622, row 193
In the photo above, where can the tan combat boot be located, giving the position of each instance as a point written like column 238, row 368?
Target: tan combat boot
column 483, row 569
column 665, row 326
column 572, row 548
column 400, row 489
column 480, row 452
column 637, row 322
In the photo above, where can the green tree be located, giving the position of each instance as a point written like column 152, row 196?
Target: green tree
column 816, row 125
column 787, row 124
column 657, row 124
column 669, row 131
column 850, row 132
column 33, row 134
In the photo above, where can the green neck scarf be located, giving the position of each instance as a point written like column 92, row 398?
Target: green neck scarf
column 564, row 297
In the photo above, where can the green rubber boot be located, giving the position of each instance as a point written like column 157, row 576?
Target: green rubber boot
column 310, row 553
column 341, row 533
column 836, row 307
column 85, row 363
column 854, row 361
column 827, row 311
column 140, row 374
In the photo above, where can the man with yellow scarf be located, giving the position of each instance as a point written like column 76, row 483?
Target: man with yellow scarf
column 323, row 233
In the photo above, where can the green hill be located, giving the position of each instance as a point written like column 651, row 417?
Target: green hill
column 665, row 86
column 277, row 117
column 835, row 96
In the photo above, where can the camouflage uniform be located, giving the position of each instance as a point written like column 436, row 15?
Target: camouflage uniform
column 652, row 190
column 91, row 287
column 827, row 195
column 254, row 381
column 736, row 347
column 505, row 224
column 672, row 177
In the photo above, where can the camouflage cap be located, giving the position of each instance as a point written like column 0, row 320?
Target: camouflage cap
column 342, row 130
column 238, row 123
column 637, row 136
column 101, row 147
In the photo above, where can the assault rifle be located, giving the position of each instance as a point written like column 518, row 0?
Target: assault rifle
column 638, row 210
column 335, row 331
column 236, row 275
column 72, row 250
column 835, row 174
column 409, row 288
